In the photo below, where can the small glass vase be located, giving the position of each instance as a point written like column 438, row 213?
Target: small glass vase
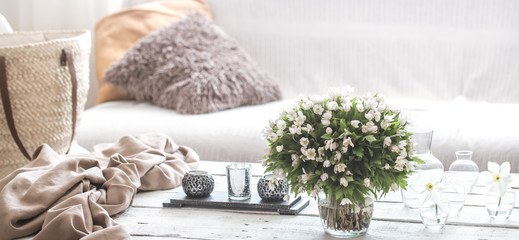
column 467, row 170
column 431, row 165
column 455, row 194
column 500, row 208
column 435, row 215
column 344, row 221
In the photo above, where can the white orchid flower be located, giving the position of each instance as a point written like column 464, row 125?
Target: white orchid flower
column 497, row 177
column 429, row 186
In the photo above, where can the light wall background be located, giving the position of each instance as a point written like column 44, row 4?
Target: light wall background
column 30, row 15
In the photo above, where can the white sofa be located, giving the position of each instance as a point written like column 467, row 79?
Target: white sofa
column 450, row 65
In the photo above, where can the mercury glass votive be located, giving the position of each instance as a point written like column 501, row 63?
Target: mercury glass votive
column 238, row 181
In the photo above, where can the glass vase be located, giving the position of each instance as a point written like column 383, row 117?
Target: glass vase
column 499, row 208
column 345, row 221
column 435, row 215
column 431, row 165
column 467, row 170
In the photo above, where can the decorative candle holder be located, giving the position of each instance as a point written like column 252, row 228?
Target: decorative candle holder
column 238, row 181
column 269, row 195
column 197, row 184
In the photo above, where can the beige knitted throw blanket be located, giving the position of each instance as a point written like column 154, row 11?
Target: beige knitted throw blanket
column 73, row 197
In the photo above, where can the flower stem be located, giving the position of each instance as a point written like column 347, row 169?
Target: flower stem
column 498, row 204
column 437, row 218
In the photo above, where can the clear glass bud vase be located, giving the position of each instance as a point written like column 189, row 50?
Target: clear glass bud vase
column 431, row 165
column 466, row 169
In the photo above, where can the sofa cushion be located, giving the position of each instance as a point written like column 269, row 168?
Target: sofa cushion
column 193, row 67
column 236, row 134
column 116, row 33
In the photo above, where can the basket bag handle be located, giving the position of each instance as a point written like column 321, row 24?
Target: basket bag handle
column 66, row 59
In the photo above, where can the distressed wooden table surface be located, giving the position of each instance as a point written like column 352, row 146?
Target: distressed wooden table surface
column 147, row 219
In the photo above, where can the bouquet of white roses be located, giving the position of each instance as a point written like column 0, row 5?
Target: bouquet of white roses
column 348, row 147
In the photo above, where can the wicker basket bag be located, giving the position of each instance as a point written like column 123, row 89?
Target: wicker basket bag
column 44, row 80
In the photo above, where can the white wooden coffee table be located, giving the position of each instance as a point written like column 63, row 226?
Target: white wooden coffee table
column 147, row 219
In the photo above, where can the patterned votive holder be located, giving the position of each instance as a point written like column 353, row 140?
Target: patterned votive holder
column 267, row 194
column 197, row 184
column 238, row 181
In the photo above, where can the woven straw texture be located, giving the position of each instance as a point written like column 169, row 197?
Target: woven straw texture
column 40, row 91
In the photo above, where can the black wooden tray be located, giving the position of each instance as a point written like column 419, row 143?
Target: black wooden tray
column 220, row 200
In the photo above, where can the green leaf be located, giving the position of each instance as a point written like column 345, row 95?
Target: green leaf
column 342, row 124
column 359, row 152
column 370, row 138
column 326, row 136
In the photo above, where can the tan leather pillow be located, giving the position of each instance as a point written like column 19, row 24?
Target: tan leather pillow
column 116, row 33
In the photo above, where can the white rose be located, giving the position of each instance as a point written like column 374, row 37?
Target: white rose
column 326, row 164
column 370, row 115
column 295, row 130
column 281, row 124
column 325, row 122
column 291, row 115
column 324, row 176
column 355, row 123
column 308, row 105
column 279, row 133
column 332, row 105
column 310, row 154
column 308, row 128
column 279, row 148
column 346, row 106
column 377, row 116
column 273, row 137
column 387, row 142
column 360, row 107
column 318, row 109
column 329, row 130
column 381, row 107
column 341, row 167
column 327, row 115
column 385, row 124
column 369, row 127
column 304, row 142
column 337, row 156
column 344, row 182
column 319, row 159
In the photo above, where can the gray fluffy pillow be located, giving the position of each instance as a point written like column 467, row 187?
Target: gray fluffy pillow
column 193, row 67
